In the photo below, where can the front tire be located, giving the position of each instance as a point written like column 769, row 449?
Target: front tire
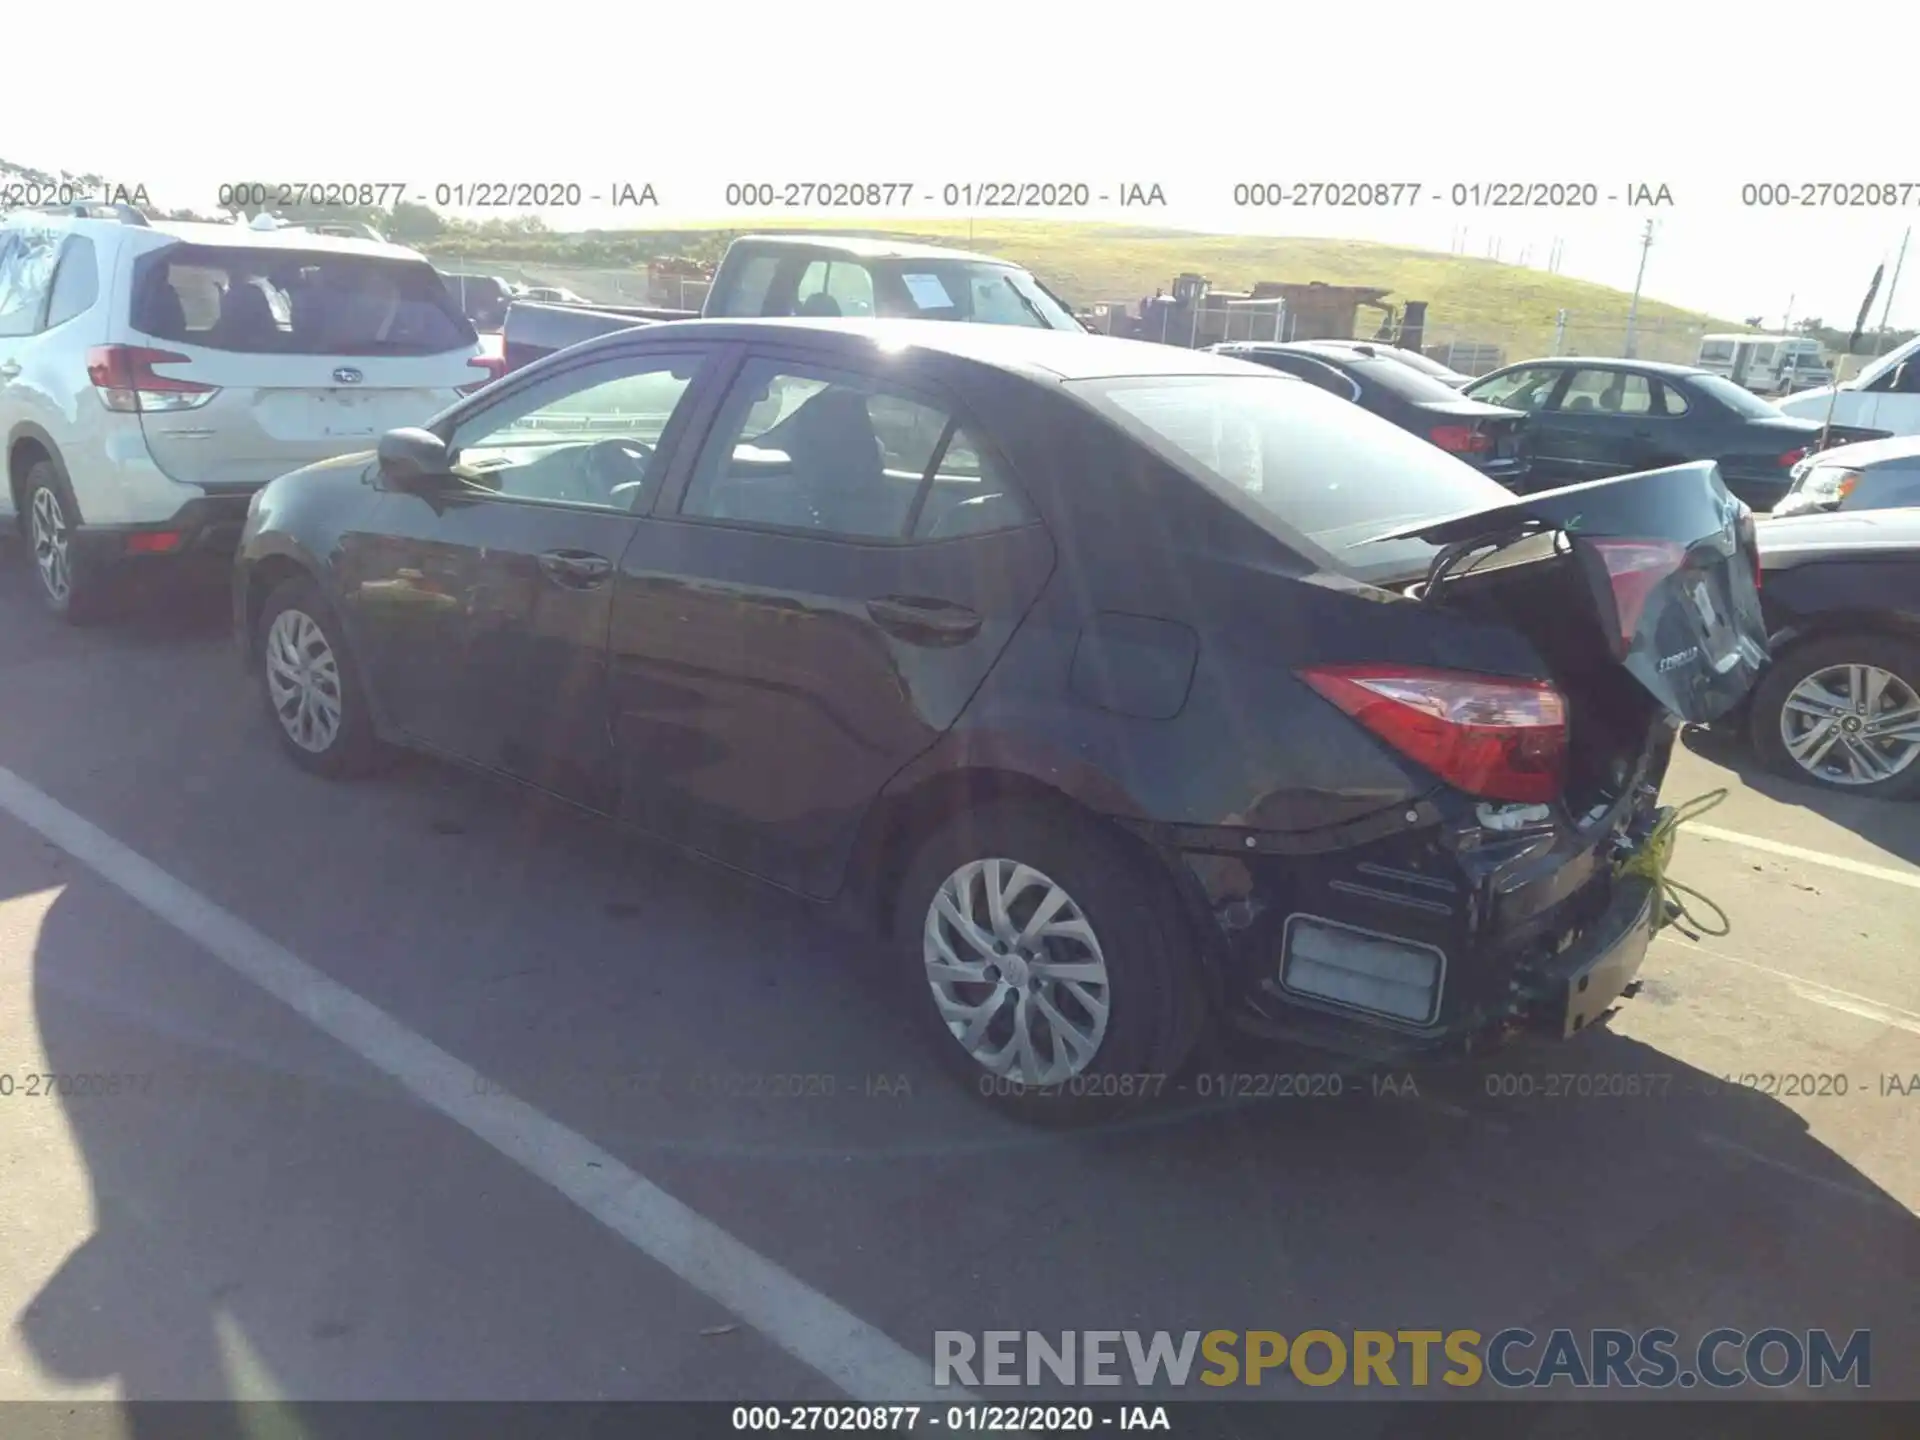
column 311, row 686
column 69, row 588
column 1843, row 712
column 1048, row 964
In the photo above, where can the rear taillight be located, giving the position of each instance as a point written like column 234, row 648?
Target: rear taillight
column 1461, row 439
column 1488, row 736
column 125, row 379
column 1635, row 569
column 494, row 365
column 1792, row 458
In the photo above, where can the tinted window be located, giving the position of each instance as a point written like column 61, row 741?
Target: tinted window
column 1718, row 352
column 1906, row 380
column 828, row 452
column 26, row 275
column 1609, row 392
column 76, row 284
column 749, row 287
column 296, row 303
column 585, row 437
column 1401, row 380
column 1524, row 389
column 834, row 287
column 1741, row 401
column 1317, row 464
column 1314, row 371
column 1672, row 402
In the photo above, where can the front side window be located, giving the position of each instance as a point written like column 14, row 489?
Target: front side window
column 76, row 284
column 1609, row 392
column 833, row 288
column 833, row 454
column 272, row 301
column 584, row 437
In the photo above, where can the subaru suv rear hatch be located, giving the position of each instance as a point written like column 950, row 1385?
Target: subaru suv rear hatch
column 250, row 361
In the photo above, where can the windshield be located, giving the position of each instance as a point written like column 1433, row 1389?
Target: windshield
column 1318, row 464
column 1741, row 401
column 985, row 294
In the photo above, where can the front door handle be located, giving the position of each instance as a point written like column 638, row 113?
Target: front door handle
column 9, row 369
column 575, row 569
column 923, row 621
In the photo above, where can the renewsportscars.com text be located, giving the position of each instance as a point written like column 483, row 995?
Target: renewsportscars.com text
column 1510, row 1359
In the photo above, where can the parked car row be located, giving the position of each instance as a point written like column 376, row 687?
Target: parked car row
column 1124, row 690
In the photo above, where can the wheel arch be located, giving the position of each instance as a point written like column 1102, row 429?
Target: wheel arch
column 1850, row 620
column 27, row 446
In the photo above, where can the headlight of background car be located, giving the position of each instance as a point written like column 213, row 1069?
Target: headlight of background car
column 1828, row 484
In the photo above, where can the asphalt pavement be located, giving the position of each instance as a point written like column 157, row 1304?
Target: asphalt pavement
column 420, row 1088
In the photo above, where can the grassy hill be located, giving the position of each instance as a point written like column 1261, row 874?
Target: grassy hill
column 1469, row 298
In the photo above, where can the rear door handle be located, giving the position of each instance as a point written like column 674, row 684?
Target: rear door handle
column 575, row 569
column 924, row 622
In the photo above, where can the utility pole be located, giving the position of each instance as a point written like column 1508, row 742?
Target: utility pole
column 1886, row 310
column 1633, row 309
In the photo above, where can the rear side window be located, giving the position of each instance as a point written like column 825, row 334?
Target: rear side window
column 26, row 274
column 1325, row 468
column 1716, row 352
column 287, row 302
column 76, row 283
column 749, row 287
column 1524, row 389
column 1610, row 392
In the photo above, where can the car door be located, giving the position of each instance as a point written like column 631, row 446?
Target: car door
column 27, row 255
column 845, row 561
column 1532, row 390
column 481, row 603
column 1601, row 423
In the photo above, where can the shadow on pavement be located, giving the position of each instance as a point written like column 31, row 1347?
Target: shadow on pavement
column 1893, row 825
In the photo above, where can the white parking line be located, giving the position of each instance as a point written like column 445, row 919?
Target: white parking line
column 1831, row 996
column 857, row 1358
column 1812, row 857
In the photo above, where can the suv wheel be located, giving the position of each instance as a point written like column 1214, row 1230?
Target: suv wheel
column 311, row 687
column 70, row 590
column 1844, row 711
column 1049, row 967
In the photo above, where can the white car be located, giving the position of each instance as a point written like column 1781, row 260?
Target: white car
column 1885, row 395
column 154, row 374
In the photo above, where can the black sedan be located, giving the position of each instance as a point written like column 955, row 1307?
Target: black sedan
column 1118, row 684
column 1488, row 437
column 1840, row 704
column 1593, row 418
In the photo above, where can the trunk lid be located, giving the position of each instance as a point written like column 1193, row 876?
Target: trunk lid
column 300, row 355
column 1490, row 438
column 1661, row 567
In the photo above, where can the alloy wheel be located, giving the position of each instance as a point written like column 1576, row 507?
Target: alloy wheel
column 303, row 680
column 47, row 526
column 1852, row 724
column 1017, row 972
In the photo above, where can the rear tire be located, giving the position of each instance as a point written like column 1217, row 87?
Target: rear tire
column 1835, row 709
column 1105, row 983
column 311, row 684
column 69, row 587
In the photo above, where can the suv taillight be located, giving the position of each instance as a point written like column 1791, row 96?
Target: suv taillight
column 1635, row 569
column 125, row 379
column 1461, row 439
column 1792, row 458
column 1492, row 737
column 494, row 365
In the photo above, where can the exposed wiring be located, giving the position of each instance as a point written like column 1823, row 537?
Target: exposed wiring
column 1650, row 862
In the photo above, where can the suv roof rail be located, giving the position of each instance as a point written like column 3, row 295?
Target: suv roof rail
column 94, row 210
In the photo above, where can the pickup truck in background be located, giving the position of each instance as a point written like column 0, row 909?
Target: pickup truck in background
column 825, row 275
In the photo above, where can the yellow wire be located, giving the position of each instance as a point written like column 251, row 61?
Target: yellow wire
column 1650, row 861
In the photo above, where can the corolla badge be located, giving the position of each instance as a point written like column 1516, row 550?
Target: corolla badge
column 347, row 375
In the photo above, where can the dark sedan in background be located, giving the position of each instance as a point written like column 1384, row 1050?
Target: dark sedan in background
column 1412, row 359
column 1488, row 437
column 1591, row 418
column 1119, row 685
column 1840, row 702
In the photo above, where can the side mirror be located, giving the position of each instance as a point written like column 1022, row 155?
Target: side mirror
column 412, row 458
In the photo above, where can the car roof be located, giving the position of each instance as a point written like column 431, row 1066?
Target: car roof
column 868, row 247
column 1016, row 349
column 1609, row 362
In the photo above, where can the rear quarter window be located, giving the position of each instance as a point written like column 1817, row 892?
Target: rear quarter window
column 296, row 303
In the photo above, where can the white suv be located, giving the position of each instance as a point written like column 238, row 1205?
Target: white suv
column 153, row 375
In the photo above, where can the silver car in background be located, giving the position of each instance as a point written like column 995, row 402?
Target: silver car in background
column 1870, row 475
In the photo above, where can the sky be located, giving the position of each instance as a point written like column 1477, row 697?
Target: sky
column 1702, row 98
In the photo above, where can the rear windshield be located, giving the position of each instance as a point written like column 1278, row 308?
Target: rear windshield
column 1741, row 401
column 1320, row 465
column 1398, row 379
column 289, row 302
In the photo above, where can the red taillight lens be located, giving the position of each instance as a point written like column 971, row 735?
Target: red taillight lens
column 125, row 379
column 494, row 365
column 1792, row 458
column 153, row 542
column 1492, row 737
column 1461, row 439
column 1635, row 568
